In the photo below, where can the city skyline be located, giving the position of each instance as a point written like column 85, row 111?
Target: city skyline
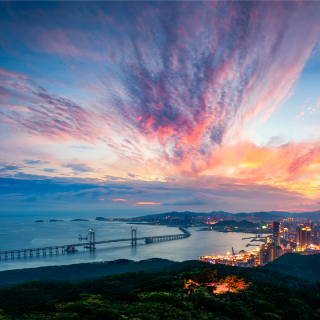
column 159, row 106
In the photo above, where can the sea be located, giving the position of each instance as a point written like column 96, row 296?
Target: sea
column 25, row 233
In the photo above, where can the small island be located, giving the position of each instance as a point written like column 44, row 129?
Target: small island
column 39, row 221
column 79, row 220
column 234, row 226
column 54, row 220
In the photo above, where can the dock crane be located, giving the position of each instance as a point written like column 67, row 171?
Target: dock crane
column 83, row 238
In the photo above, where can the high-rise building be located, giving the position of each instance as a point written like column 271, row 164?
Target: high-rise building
column 278, row 252
column 298, row 239
column 261, row 254
column 276, row 233
column 269, row 252
column 303, row 238
column 308, row 237
column 315, row 237
column 285, row 234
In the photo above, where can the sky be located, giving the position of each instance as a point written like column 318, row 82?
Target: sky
column 131, row 108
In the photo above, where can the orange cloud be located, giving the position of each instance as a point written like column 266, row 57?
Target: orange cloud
column 294, row 166
column 119, row 200
column 150, row 203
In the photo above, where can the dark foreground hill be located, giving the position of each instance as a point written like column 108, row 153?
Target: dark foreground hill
column 294, row 264
column 80, row 272
column 179, row 291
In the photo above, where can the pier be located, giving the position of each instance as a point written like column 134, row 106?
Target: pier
column 91, row 244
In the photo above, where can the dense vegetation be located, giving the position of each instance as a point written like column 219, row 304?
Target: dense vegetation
column 81, row 271
column 166, row 295
column 241, row 224
column 294, row 264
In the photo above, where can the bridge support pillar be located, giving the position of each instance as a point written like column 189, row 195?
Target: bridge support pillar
column 92, row 239
column 133, row 236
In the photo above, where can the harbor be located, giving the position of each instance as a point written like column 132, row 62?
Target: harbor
column 241, row 259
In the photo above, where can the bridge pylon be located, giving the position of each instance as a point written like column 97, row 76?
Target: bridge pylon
column 92, row 239
column 133, row 236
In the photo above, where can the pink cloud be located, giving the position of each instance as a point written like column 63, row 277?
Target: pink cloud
column 179, row 99
column 149, row 203
column 43, row 113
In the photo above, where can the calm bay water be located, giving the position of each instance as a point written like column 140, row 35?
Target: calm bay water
column 25, row 234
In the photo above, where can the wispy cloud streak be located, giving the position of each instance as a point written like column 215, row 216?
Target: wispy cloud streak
column 157, row 93
column 185, row 77
column 32, row 109
column 210, row 71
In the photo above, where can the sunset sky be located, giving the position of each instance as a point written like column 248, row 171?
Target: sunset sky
column 149, row 107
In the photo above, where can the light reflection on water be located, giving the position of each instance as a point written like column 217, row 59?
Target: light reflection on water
column 26, row 234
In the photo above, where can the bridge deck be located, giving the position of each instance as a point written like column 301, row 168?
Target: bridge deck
column 176, row 236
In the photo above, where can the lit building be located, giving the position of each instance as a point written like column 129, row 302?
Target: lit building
column 276, row 233
column 310, row 251
column 315, row 237
column 279, row 252
column 285, row 234
column 241, row 259
column 303, row 238
column 308, row 237
column 287, row 249
column 269, row 252
column 298, row 239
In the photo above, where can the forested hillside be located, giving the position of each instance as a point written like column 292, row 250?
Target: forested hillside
column 295, row 264
column 81, row 271
column 241, row 224
column 187, row 292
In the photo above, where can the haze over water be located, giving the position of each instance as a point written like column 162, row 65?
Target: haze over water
column 24, row 233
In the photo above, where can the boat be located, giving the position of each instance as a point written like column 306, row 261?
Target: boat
column 149, row 240
column 71, row 249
